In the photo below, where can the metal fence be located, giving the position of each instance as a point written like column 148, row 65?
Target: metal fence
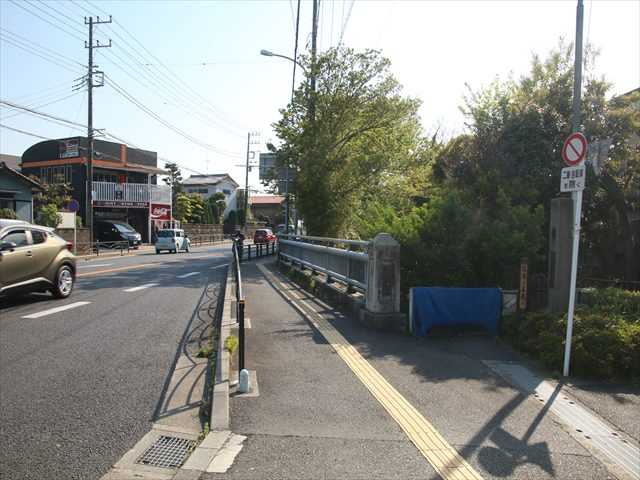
column 95, row 248
column 237, row 276
column 322, row 254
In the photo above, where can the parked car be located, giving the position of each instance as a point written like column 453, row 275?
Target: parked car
column 112, row 231
column 34, row 258
column 172, row 240
column 263, row 235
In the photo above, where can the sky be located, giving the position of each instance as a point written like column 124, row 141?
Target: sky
column 195, row 71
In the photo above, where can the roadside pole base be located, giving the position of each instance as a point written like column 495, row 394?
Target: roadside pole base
column 244, row 384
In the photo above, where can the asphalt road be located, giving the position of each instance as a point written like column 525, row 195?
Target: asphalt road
column 78, row 388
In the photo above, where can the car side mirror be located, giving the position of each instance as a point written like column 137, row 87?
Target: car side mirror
column 7, row 246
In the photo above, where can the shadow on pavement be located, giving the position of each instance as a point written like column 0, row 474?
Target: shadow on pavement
column 438, row 361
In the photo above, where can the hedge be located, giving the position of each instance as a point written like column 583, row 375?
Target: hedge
column 606, row 336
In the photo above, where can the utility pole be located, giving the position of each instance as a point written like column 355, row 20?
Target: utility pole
column 90, row 133
column 250, row 136
column 577, row 196
column 312, row 80
column 293, row 90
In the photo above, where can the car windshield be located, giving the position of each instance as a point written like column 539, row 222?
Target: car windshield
column 124, row 227
column 166, row 233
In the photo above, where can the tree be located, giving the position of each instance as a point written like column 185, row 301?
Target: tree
column 363, row 133
column 183, row 207
column 198, row 209
column 516, row 131
column 216, row 205
column 174, row 180
column 48, row 216
column 48, row 202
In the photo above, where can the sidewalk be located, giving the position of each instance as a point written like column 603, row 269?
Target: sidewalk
column 367, row 404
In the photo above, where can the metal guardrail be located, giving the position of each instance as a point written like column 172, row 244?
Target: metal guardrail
column 237, row 274
column 345, row 265
column 86, row 248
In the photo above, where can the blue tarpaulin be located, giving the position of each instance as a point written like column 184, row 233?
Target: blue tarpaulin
column 437, row 306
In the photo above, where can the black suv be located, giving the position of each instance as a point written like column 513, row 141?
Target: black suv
column 108, row 231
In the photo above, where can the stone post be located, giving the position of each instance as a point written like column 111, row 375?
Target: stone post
column 382, row 301
column 560, row 244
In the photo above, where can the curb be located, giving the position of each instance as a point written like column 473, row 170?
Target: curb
column 220, row 446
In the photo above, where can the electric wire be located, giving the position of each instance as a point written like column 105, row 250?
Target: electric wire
column 21, row 5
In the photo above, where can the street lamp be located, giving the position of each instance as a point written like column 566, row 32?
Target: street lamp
column 268, row 53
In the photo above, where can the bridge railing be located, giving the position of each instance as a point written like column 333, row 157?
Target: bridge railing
column 321, row 254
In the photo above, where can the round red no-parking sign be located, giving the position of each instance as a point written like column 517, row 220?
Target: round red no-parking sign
column 574, row 149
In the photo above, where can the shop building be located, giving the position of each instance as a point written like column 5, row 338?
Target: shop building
column 124, row 180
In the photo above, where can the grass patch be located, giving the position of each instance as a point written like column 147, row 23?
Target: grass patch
column 206, row 352
column 231, row 343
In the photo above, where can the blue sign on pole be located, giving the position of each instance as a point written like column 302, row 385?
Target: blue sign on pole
column 73, row 205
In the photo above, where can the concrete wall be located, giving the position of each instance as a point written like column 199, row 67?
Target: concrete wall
column 197, row 229
column 82, row 239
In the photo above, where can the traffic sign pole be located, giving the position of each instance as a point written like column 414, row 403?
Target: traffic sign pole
column 577, row 196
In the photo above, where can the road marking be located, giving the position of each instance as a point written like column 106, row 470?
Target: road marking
column 56, row 310
column 219, row 266
column 141, row 287
column 118, row 269
column 443, row 457
column 97, row 265
column 188, row 275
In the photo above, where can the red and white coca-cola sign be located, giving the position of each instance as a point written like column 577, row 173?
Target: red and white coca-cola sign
column 160, row 212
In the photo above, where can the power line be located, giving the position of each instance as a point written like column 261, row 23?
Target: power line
column 33, row 52
column 161, row 81
column 178, row 81
column 157, row 117
column 43, row 105
column 344, row 25
column 31, row 43
column 19, row 5
column 24, row 132
column 40, row 114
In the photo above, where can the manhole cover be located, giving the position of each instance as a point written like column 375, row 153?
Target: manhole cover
column 167, row 452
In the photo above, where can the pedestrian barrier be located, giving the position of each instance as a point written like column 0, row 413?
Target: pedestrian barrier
column 237, row 275
column 94, row 248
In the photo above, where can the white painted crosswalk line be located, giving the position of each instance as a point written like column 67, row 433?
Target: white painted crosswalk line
column 56, row 310
column 188, row 275
column 141, row 287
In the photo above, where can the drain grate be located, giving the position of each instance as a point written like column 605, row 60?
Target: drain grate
column 167, row 452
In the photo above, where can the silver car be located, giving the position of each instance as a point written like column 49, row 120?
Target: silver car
column 172, row 240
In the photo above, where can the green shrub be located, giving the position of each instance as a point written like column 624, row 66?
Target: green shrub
column 7, row 213
column 614, row 301
column 605, row 344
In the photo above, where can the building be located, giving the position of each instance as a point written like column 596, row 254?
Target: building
column 11, row 161
column 267, row 208
column 208, row 185
column 124, row 180
column 16, row 192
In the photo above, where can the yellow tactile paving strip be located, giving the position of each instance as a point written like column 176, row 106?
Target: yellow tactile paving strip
column 442, row 456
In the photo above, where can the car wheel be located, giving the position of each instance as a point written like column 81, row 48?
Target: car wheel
column 63, row 284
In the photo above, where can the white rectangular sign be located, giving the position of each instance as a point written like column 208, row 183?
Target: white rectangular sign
column 572, row 179
column 68, row 220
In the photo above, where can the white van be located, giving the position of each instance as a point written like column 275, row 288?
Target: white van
column 172, row 240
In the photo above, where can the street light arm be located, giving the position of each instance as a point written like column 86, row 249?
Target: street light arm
column 267, row 53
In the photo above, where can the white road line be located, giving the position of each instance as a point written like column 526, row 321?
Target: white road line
column 141, row 287
column 56, row 310
column 96, row 265
column 219, row 266
column 188, row 275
